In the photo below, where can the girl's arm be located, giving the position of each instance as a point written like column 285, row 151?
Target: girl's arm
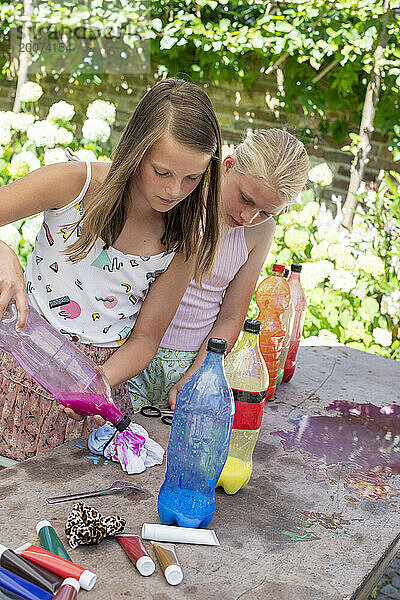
column 49, row 187
column 237, row 298
column 155, row 315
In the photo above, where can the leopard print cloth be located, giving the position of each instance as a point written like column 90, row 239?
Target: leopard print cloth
column 85, row 525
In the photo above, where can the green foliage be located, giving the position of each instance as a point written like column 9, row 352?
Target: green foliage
column 351, row 279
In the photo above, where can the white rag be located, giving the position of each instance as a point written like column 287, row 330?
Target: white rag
column 132, row 448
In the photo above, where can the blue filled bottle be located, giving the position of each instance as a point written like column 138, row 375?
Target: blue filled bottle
column 198, row 443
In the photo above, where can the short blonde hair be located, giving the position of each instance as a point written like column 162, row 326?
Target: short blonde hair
column 278, row 158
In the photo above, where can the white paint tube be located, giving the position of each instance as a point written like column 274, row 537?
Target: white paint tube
column 183, row 535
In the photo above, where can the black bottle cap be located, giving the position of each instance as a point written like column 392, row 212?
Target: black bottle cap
column 286, row 273
column 123, row 423
column 252, row 326
column 296, row 268
column 217, row 345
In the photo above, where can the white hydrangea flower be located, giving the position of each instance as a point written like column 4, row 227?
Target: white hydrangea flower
column 342, row 280
column 287, row 219
column 30, row 92
column 55, row 155
column 303, row 218
column 5, row 135
column 296, row 240
column 227, row 150
column 63, row 136
column 390, row 305
column 6, row 117
column 31, row 228
column 103, row 158
column 312, row 208
column 321, row 174
column 355, row 329
column 10, row 235
column 369, row 263
column 96, row 130
column 382, row 336
column 85, row 155
column 320, row 251
column 100, row 109
column 21, row 121
column 62, row 110
column 310, row 276
column 346, row 261
column 23, row 163
column 42, row 133
column 324, row 267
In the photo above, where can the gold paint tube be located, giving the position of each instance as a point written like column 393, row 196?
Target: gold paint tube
column 169, row 562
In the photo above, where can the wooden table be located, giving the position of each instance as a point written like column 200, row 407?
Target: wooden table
column 285, row 537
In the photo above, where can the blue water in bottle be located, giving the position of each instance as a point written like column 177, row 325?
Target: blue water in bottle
column 198, row 443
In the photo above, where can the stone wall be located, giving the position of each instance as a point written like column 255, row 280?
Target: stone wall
column 237, row 110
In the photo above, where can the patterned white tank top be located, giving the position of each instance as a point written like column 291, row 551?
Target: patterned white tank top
column 96, row 300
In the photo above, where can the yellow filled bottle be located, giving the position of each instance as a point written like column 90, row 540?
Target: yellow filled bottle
column 247, row 375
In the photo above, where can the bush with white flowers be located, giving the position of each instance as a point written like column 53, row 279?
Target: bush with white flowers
column 28, row 142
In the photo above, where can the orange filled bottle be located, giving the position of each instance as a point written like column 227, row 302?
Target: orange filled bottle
column 272, row 298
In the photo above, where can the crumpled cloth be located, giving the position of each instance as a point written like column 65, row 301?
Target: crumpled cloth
column 85, row 525
column 132, row 448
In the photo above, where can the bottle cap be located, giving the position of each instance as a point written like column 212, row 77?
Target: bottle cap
column 145, row 566
column 173, row 574
column 87, row 580
column 296, row 268
column 123, row 423
column 286, row 273
column 217, row 345
column 42, row 524
column 72, row 582
column 278, row 268
column 252, row 326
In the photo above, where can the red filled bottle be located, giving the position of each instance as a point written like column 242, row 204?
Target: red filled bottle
column 300, row 306
column 272, row 298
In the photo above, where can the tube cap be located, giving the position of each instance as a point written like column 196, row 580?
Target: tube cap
column 123, row 423
column 42, row 524
column 145, row 566
column 295, row 267
column 173, row 574
column 2, row 549
column 87, row 580
column 217, row 345
column 72, row 582
column 278, row 268
column 286, row 272
column 252, row 326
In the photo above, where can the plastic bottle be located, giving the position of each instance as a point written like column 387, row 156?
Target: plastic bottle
column 288, row 319
column 272, row 298
column 247, row 374
column 59, row 366
column 300, row 307
column 198, row 443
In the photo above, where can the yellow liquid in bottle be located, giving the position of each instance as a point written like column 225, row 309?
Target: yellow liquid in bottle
column 235, row 475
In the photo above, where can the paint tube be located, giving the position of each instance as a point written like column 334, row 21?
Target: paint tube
column 50, row 540
column 10, row 561
column 58, row 565
column 22, row 587
column 68, row 590
column 133, row 546
column 169, row 562
column 184, row 535
column 7, row 595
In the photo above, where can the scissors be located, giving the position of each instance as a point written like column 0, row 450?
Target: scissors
column 152, row 411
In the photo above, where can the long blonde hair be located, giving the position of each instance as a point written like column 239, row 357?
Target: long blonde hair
column 278, row 158
column 185, row 111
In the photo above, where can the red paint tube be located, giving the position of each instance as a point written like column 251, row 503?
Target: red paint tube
column 133, row 546
column 69, row 589
column 57, row 565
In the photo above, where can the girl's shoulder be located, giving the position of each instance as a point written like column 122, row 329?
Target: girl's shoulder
column 71, row 178
column 260, row 236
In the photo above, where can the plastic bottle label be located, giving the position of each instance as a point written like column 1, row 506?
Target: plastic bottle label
column 250, row 397
column 248, row 415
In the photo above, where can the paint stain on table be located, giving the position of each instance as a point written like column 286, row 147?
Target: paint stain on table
column 364, row 438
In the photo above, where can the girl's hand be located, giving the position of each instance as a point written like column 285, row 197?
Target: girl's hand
column 12, row 285
column 71, row 414
column 174, row 391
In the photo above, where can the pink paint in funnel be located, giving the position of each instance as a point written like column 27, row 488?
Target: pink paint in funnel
column 59, row 367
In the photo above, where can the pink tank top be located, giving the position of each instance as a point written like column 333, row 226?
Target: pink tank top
column 199, row 307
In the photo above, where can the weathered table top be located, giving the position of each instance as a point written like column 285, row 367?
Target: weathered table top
column 299, row 531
